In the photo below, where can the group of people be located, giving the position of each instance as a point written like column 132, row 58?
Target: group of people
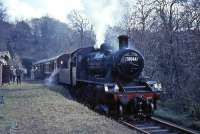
column 16, row 75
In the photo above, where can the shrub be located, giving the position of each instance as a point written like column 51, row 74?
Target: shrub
column 196, row 110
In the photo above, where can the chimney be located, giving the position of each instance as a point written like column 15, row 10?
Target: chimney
column 123, row 41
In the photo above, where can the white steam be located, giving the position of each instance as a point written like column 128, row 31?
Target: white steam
column 52, row 78
column 102, row 13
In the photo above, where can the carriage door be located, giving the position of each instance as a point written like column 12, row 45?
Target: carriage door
column 6, row 74
column 73, row 70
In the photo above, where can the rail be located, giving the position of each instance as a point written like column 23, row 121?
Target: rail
column 156, row 126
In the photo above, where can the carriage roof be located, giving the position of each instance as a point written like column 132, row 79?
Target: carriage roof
column 49, row 59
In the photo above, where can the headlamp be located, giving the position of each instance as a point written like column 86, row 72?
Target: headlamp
column 157, row 87
column 111, row 88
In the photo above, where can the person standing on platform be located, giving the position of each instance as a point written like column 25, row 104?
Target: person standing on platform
column 18, row 74
column 13, row 75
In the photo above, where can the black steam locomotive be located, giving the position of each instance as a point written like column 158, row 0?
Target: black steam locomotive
column 109, row 80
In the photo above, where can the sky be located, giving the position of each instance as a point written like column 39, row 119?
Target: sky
column 27, row 9
column 101, row 13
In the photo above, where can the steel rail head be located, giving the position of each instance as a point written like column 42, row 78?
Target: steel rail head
column 134, row 127
column 173, row 126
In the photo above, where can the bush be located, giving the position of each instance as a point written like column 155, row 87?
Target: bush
column 196, row 110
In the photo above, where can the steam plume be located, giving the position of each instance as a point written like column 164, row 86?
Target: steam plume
column 102, row 13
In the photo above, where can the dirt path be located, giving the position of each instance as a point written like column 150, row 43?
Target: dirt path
column 32, row 108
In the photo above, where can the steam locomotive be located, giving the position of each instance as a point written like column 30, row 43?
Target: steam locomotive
column 109, row 80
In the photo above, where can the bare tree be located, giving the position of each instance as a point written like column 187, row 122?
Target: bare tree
column 165, row 10
column 80, row 23
column 138, row 16
column 191, row 15
column 144, row 8
column 2, row 12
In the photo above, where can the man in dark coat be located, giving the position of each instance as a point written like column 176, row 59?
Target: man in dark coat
column 18, row 74
column 13, row 74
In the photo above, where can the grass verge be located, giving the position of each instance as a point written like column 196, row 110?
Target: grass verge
column 34, row 108
column 183, row 119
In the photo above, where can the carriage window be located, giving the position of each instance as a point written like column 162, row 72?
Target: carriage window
column 66, row 62
column 79, row 58
column 74, row 61
column 63, row 64
column 47, row 67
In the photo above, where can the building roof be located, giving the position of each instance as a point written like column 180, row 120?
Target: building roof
column 5, row 53
column 4, row 57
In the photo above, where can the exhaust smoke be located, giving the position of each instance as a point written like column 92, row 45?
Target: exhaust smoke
column 102, row 13
column 52, row 78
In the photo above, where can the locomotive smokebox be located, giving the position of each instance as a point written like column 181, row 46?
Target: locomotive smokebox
column 123, row 41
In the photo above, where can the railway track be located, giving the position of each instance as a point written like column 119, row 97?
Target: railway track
column 155, row 126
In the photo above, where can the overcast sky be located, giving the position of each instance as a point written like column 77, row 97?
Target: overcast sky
column 26, row 9
column 101, row 13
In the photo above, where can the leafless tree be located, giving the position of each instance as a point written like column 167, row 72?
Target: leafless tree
column 144, row 9
column 2, row 12
column 191, row 15
column 80, row 23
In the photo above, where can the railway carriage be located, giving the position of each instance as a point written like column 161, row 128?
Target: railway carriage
column 63, row 69
column 109, row 80
column 44, row 68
